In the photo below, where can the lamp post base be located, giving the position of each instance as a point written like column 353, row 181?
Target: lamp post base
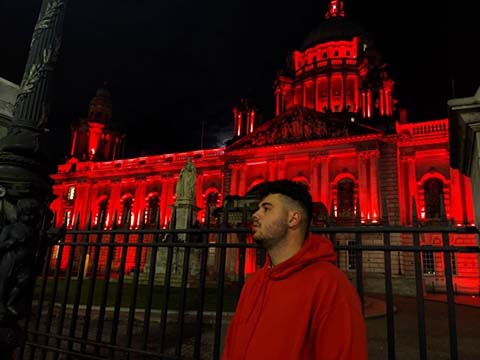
column 11, row 338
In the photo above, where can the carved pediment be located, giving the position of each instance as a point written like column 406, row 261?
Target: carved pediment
column 300, row 124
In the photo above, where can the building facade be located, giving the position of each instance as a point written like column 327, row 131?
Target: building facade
column 336, row 128
column 8, row 94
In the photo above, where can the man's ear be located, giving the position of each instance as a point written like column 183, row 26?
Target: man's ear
column 294, row 218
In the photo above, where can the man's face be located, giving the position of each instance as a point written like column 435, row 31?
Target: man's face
column 270, row 221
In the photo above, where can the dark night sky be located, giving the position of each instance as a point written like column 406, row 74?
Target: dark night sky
column 172, row 64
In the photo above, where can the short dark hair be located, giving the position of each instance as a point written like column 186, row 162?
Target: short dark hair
column 294, row 190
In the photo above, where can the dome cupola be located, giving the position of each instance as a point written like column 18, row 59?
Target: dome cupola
column 337, row 69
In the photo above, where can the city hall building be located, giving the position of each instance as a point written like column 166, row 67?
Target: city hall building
column 336, row 128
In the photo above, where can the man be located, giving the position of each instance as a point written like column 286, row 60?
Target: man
column 299, row 305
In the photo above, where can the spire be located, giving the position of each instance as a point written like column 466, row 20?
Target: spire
column 100, row 109
column 335, row 9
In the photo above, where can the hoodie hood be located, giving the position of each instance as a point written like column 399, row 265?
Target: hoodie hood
column 315, row 248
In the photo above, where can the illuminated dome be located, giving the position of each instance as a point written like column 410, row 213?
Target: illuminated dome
column 337, row 70
column 335, row 28
column 103, row 92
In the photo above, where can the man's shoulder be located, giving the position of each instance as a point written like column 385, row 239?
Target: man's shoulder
column 255, row 276
column 326, row 271
column 328, row 277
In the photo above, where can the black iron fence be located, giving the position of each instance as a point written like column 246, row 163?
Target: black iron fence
column 152, row 293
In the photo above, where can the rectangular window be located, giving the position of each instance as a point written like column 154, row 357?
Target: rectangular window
column 55, row 250
column 428, row 262
column 71, row 193
column 67, row 218
column 351, row 256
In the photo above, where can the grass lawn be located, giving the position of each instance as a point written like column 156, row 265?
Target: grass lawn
column 192, row 299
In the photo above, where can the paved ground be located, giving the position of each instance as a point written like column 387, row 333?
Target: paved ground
column 406, row 338
column 406, row 335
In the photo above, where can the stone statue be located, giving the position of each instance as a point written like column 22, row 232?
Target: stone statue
column 186, row 182
column 18, row 242
column 20, row 245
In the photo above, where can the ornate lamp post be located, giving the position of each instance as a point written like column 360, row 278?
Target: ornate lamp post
column 25, row 187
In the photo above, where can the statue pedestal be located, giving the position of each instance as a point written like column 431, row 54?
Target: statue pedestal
column 185, row 215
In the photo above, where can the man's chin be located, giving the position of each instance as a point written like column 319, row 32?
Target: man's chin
column 259, row 241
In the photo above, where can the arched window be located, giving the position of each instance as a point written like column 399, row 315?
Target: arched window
column 127, row 202
column 211, row 202
column 320, row 215
column 255, row 182
column 346, row 198
column 152, row 209
column 212, row 199
column 101, row 217
column 433, row 188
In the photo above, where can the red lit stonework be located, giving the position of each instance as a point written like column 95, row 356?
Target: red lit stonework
column 336, row 128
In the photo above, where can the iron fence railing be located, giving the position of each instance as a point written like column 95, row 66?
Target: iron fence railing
column 151, row 294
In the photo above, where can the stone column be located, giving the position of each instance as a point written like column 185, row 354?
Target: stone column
column 242, row 186
column 281, row 169
column 272, row 170
column 374, row 190
column 304, row 94
column 199, row 190
column 363, row 185
column 355, row 90
column 314, row 179
column 277, row 102
column 92, row 202
column 234, row 182
column 80, row 206
column 325, row 181
column 412, row 185
column 402, row 191
column 114, row 202
column 74, row 142
column 139, row 203
column 457, row 196
column 164, row 196
column 364, row 103
column 329, row 87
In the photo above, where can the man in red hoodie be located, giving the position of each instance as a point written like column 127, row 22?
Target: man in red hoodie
column 299, row 305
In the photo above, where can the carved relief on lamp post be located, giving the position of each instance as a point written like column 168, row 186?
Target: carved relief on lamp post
column 25, row 186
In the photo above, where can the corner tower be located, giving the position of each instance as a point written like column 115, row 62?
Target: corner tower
column 244, row 116
column 95, row 137
column 337, row 69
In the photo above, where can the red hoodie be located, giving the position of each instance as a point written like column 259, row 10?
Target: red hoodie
column 304, row 308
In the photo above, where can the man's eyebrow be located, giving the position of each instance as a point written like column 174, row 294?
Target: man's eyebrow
column 265, row 203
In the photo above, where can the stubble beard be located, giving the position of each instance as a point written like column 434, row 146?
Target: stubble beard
column 271, row 235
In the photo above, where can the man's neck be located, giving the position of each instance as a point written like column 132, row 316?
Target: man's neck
column 284, row 250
